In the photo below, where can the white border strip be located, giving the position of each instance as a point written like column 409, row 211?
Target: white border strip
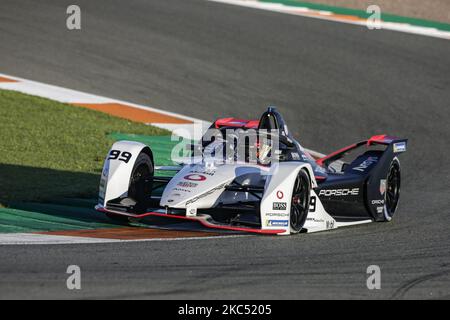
column 65, row 95
column 326, row 15
column 43, row 239
column 70, row 96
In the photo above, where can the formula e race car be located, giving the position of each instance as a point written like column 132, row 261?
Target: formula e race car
column 253, row 176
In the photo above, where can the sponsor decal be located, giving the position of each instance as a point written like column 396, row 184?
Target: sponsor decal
column 380, row 210
column 191, row 212
column 305, row 158
column 399, row 147
column 320, row 170
column 315, row 220
column 330, row 224
column 278, row 214
column 103, row 183
column 102, row 190
column 366, row 164
column 193, row 200
column 204, row 172
column 339, row 192
column 295, row 156
column 181, row 190
column 280, row 195
column 195, row 177
column 279, row 206
column 383, row 187
column 186, row 184
column 277, row 223
column 377, row 202
column 105, row 172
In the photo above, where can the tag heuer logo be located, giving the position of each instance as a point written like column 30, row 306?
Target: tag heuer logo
column 382, row 187
column 279, row 206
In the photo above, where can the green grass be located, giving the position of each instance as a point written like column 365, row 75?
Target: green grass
column 49, row 149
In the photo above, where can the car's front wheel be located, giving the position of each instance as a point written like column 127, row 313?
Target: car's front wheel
column 140, row 187
column 301, row 196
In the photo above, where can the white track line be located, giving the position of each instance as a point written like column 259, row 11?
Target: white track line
column 69, row 96
column 43, row 239
column 31, row 238
column 65, row 95
column 325, row 15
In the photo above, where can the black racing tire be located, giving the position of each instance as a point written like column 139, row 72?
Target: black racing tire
column 140, row 187
column 300, row 202
column 392, row 194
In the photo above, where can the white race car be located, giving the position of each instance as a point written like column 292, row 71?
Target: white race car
column 271, row 186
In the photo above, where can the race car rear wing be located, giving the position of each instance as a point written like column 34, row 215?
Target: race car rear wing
column 398, row 145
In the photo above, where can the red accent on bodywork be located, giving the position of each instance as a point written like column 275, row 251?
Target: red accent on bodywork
column 236, row 123
column 377, row 139
column 252, row 124
column 321, row 161
column 202, row 221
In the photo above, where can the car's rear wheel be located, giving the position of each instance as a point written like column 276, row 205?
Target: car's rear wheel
column 140, row 187
column 392, row 194
column 301, row 196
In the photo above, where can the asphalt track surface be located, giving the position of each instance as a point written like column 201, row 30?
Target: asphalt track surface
column 335, row 84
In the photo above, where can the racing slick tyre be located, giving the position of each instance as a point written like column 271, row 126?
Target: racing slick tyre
column 140, row 188
column 392, row 194
column 301, row 196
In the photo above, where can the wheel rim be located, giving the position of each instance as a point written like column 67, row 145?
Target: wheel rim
column 300, row 203
column 393, row 190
